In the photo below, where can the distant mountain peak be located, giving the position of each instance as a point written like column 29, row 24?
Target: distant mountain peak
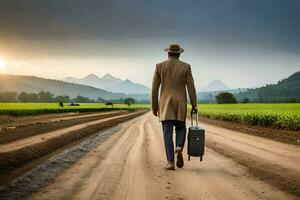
column 295, row 76
column 217, row 82
column 91, row 76
column 109, row 77
column 128, row 81
column 216, row 85
column 111, row 83
column 69, row 77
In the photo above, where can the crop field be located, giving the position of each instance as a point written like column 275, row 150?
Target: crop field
column 283, row 115
column 42, row 108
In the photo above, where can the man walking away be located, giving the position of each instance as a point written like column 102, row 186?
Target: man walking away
column 173, row 77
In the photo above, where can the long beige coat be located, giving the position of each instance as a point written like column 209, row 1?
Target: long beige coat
column 174, row 76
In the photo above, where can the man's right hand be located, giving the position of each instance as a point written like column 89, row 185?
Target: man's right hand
column 155, row 111
column 194, row 110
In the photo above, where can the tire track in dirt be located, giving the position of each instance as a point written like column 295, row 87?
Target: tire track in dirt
column 29, row 141
column 40, row 145
column 28, row 130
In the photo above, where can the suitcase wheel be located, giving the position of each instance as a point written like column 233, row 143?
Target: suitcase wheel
column 201, row 158
column 189, row 158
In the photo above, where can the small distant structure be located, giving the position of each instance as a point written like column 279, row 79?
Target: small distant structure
column 109, row 104
column 74, row 104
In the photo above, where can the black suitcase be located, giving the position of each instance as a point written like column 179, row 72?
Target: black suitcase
column 196, row 140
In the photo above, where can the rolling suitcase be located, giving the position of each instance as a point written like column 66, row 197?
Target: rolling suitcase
column 196, row 140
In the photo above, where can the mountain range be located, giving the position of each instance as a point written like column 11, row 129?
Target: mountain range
column 286, row 90
column 32, row 84
column 114, row 84
column 110, row 83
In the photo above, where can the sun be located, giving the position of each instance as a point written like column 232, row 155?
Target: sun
column 2, row 63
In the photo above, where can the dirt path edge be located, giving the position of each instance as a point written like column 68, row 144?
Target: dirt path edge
column 280, row 178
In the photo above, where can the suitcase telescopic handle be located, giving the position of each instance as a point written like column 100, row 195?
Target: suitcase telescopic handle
column 196, row 119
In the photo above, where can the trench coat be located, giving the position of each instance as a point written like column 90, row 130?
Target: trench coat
column 172, row 79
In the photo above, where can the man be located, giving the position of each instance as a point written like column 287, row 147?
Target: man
column 174, row 76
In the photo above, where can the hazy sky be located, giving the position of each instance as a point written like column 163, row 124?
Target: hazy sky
column 242, row 43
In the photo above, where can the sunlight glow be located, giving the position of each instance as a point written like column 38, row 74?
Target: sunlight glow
column 2, row 63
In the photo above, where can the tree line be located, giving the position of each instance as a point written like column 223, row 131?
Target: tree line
column 47, row 97
column 41, row 97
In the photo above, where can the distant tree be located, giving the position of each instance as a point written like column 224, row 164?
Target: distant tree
column 292, row 100
column 129, row 101
column 100, row 100
column 22, row 97
column 65, row 99
column 82, row 99
column 28, row 97
column 109, row 104
column 225, row 97
column 61, row 104
column 117, row 101
column 45, row 97
column 8, row 97
column 33, row 97
column 245, row 100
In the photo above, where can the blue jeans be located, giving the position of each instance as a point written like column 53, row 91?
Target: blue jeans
column 180, row 130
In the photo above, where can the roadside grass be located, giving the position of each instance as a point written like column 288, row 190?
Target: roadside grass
column 279, row 115
column 17, row 109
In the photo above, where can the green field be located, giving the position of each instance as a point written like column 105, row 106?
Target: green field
column 282, row 115
column 42, row 108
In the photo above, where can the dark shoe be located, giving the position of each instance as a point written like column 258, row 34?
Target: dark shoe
column 170, row 166
column 179, row 161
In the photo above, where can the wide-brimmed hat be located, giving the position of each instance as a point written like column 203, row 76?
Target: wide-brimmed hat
column 174, row 48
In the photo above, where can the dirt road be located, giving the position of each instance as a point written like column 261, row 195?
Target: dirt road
column 129, row 166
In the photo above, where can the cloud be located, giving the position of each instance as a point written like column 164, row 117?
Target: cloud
column 225, row 39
